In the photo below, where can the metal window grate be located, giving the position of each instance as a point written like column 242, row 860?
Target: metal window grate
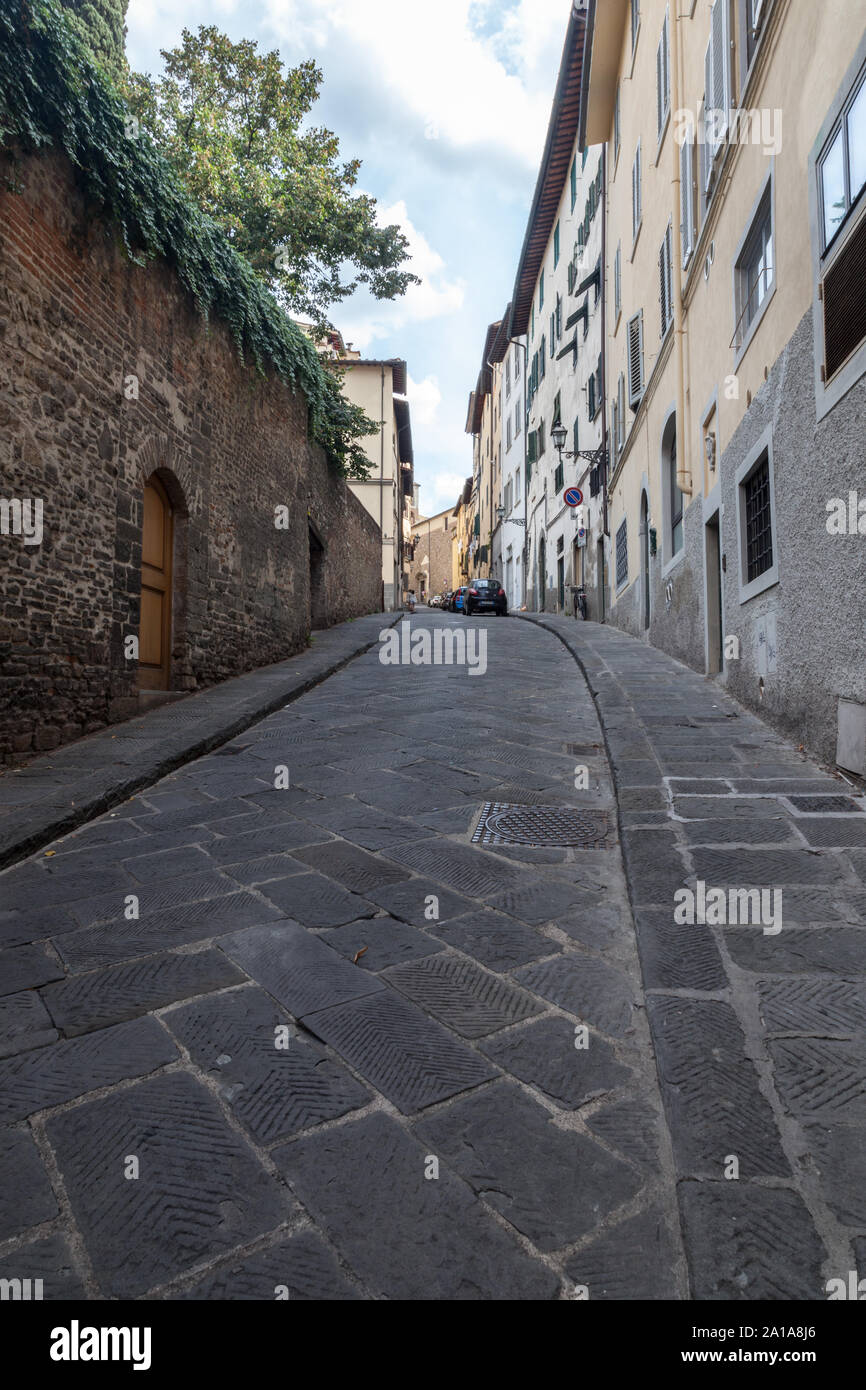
column 621, row 555
column 759, row 525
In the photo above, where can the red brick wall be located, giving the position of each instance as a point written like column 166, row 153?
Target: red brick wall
column 77, row 319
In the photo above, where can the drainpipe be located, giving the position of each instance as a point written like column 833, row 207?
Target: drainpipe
column 684, row 473
column 602, row 289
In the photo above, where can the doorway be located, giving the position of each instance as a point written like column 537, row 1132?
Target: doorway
column 157, row 548
column 715, row 624
column 318, row 608
column 542, row 574
column 560, row 584
column 599, row 579
column 644, row 562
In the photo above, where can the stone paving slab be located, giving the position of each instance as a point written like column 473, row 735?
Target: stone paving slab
column 163, row 739
column 26, row 1197
column 300, row 1269
column 405, row 1236
column 276, row 1081
column 298, row 969
column 200, row 1189
column 471, row 1001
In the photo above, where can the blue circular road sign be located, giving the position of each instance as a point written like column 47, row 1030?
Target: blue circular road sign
column 573, row 497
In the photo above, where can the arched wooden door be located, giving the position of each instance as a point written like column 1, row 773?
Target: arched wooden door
column 157, row 544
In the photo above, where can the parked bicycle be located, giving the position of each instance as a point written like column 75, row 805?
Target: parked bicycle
column 580, row 602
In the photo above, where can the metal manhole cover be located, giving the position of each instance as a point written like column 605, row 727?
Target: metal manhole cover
column 503, row 823
column 827, row 804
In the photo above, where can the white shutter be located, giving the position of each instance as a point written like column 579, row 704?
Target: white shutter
column 635, row 360
column 620, row 396
column 660, row 77
column 687, row 197
column 721, row 43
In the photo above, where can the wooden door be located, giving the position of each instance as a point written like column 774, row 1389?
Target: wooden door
column 157, row 537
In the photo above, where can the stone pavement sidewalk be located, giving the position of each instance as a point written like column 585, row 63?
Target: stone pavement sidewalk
column 759, row 1033
column 322, row 1038
column 69, row 786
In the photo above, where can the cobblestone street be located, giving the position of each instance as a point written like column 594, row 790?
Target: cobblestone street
column 320, row 1038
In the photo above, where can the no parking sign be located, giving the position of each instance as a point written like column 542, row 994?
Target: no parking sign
column 572, row 497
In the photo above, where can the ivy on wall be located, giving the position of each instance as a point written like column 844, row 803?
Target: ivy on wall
column 53, row 96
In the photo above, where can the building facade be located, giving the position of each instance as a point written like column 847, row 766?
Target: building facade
column 510, row 534
column 433, row 540
column 736, row 355
column 379, row 388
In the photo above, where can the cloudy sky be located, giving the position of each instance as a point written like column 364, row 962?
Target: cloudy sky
column 447, row 106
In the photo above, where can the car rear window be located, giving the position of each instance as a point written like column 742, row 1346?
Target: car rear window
column 486, row 584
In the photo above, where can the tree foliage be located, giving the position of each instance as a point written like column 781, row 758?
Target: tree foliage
column 233, row 124
column 52, row 93
column 102, row 24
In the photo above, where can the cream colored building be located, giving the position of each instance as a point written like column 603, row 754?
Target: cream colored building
column 484, row 424
column 736, row 350
column 379, row 388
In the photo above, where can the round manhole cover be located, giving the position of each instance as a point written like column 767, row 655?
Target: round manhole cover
column 507, row 824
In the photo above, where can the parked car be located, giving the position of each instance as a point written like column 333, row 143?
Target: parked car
column 434, row 600
column 486, row 596
column 457, row 599
column 445, row 601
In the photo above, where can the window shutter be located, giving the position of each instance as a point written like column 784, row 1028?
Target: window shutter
column 721, row 62
column 591, row 396
column 614, row 431
column 620, row 391
column 635, row 360
column 687, row 198
column 663, row 289
column 635, row 192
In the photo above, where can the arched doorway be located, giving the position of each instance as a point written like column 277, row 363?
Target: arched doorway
column 644, row 561
column 157, row 550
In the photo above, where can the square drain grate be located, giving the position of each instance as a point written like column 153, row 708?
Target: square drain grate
column 503, row 823
column 823, row 804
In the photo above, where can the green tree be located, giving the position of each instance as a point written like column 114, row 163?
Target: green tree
column 102, row 24
column 229, row 120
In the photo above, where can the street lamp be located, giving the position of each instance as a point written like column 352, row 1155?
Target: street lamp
column 515, row 520
column 559, row 435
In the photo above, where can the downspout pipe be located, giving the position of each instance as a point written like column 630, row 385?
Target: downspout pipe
column 603, row 291
column 684, row 472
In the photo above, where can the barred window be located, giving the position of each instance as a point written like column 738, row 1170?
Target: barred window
column 759, row 521
column 621, row 555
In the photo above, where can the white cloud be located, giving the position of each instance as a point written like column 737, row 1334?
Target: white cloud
column 425, row 399
column 466, row 72
column 445, row 490
column 362, row 319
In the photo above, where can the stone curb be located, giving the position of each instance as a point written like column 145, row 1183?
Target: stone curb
column 207, row 720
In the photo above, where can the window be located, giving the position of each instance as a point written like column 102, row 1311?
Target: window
column 516, row 420
column 754, row 270
column 843, row 164
column 687, row 197
column 557, row 408
column 508, row 434
column 757, row 520
column 617, row 133
column 573, row 182
column 590, row 396
column 675, row 499
column 576, row 445
column 663, row 76
column 558, row 477
column 622, row 556
column 541, row 293
column 516, row 363
column 508, row 495
column 556, row 246
column 531, row 447
column 617, row 282
column 542, row 356
column 539, row 434
column 666, row 281
column 635, row 360
column 558, row 317
column 614, row 426
column 553, row 334
column 635, row 22
column 517, row 486
column 532, row 326
column 636, row 194
column 508, row 376
column 754, row 14
column 620, row 400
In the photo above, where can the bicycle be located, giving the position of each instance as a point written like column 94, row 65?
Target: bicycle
column 580, row 601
